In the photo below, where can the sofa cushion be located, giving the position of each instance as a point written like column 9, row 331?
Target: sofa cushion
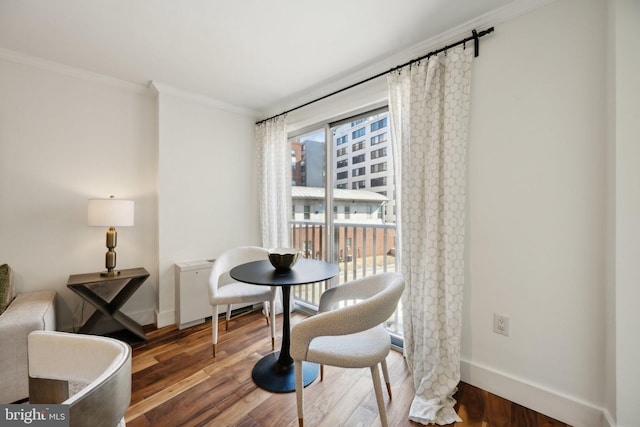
column 6, row 287
column 28, row 311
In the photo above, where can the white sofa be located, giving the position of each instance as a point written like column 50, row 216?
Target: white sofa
column 27, row 312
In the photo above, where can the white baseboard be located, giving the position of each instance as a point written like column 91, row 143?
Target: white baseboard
column 548, row 402
column 165, row 318
column 144, row 317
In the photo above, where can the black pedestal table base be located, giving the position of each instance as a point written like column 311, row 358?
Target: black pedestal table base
column 270, row 375
column 275, row 371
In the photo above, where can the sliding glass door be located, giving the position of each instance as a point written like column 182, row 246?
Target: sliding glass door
column 343, row 201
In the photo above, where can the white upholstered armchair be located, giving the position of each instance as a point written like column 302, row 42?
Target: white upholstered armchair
column 225, row 291
column 100, row 365
column 351, row 336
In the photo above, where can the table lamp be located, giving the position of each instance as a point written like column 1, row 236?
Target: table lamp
column 110, row 213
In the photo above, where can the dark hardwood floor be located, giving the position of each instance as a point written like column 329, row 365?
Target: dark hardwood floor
column 177, row 382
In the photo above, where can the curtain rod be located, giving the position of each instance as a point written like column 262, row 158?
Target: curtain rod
column 475, row 36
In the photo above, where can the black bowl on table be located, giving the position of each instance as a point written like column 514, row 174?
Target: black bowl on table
column 284, row 258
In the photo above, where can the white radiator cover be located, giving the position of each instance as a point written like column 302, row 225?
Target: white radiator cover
column 192, row 293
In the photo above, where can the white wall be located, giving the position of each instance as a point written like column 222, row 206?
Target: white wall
column 627, row 209
column 207, row 186
column 537, row 193
column 64, row 140
column 609, row 403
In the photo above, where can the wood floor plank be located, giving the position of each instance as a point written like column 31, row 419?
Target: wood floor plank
column 164, row 395
column 196, row 405
column 233, row 414
column 521, row 416
column 275, row 411
column 142, row 363
column 403, row 393
column 351, row 397
column 497, row 411
column 471, row 404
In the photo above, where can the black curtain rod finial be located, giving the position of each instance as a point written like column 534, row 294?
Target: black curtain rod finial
column 476, row 43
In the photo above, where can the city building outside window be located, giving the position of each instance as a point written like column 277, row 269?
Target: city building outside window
column 359, row 171
column 358, row 159
column 378, row 139
column 358, row 146
column 379, row 124
column 381, row 152
column 358, row 133
column 379, row 167
column 379, row 182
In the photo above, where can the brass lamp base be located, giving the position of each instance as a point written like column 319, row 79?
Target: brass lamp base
column 110, row 273
column 110, row 256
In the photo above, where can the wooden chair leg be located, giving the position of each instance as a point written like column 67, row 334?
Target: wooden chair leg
column 385, row 374
column 321, row 372
column 297, row 367
column 214, row 328
column 272, row 313
column 227, row 317
column 375, row 375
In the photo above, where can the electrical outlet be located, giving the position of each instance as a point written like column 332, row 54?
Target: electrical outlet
column 501, row 324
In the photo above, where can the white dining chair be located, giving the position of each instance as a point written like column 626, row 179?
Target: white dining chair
column 99, row 368
column 349, row 336
column 224, row 291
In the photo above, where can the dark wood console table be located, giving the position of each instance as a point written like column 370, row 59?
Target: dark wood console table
column 108, row 319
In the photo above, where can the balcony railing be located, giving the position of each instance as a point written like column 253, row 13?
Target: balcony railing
column 362, row 249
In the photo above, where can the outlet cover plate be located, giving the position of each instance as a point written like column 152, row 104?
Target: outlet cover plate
column 501, row 324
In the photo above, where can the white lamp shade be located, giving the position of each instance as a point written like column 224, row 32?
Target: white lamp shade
column 110, row 213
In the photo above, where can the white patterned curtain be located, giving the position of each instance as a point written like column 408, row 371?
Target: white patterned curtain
column 428, row 105
column 273, row 156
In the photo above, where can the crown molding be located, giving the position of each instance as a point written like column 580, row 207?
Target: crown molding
column 482, row 22
column 78, row 73
column 165, row 89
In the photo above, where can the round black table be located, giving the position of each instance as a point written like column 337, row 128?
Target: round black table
column 274, row 372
